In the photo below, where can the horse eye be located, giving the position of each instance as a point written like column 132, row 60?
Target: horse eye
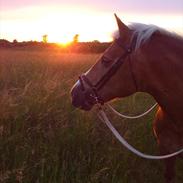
column 106, row 60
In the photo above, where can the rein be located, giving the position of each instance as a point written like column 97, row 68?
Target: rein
column 103, row 117
column 132, row 117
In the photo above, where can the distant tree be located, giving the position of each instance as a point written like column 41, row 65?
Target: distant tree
column 96, row 41
column 4, row 43
column 76, row 38
column 15, row 41
column 45, row 38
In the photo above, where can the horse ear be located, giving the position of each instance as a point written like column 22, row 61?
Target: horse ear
column 123, row 29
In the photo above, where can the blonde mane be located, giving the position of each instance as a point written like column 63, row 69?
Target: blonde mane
column 143, row 32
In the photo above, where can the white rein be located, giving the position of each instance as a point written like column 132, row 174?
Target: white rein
column 132, row 117
column 105, row 119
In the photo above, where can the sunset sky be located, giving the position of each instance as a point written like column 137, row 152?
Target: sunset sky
column 26, row 20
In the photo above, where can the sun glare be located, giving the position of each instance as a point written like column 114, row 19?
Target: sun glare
column 64, row 44
column 62, row 23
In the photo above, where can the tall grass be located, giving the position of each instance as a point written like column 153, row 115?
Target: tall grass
column 43, row 139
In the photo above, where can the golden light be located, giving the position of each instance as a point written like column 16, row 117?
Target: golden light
column 62, row 23
column 59, row 23
column 64, row 44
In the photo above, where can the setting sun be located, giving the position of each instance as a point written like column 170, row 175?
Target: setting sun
column 62, row 21
column 59, row 24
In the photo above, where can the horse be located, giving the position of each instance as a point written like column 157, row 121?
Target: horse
column 142, row 58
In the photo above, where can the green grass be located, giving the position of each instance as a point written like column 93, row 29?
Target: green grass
column 43, row 139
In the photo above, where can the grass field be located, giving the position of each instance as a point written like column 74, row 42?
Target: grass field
column 43, row 139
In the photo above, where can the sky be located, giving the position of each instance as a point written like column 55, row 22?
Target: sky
column 27, row 20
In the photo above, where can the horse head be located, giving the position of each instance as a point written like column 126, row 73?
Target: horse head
column 110, row 77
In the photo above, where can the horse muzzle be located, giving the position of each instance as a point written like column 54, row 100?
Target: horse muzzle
column 82, row 98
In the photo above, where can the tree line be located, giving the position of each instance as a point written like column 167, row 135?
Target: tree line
column 75, row 46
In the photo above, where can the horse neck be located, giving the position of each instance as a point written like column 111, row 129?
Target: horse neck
column 159, row 72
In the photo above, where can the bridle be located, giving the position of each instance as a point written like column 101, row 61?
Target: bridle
column 91, row 91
